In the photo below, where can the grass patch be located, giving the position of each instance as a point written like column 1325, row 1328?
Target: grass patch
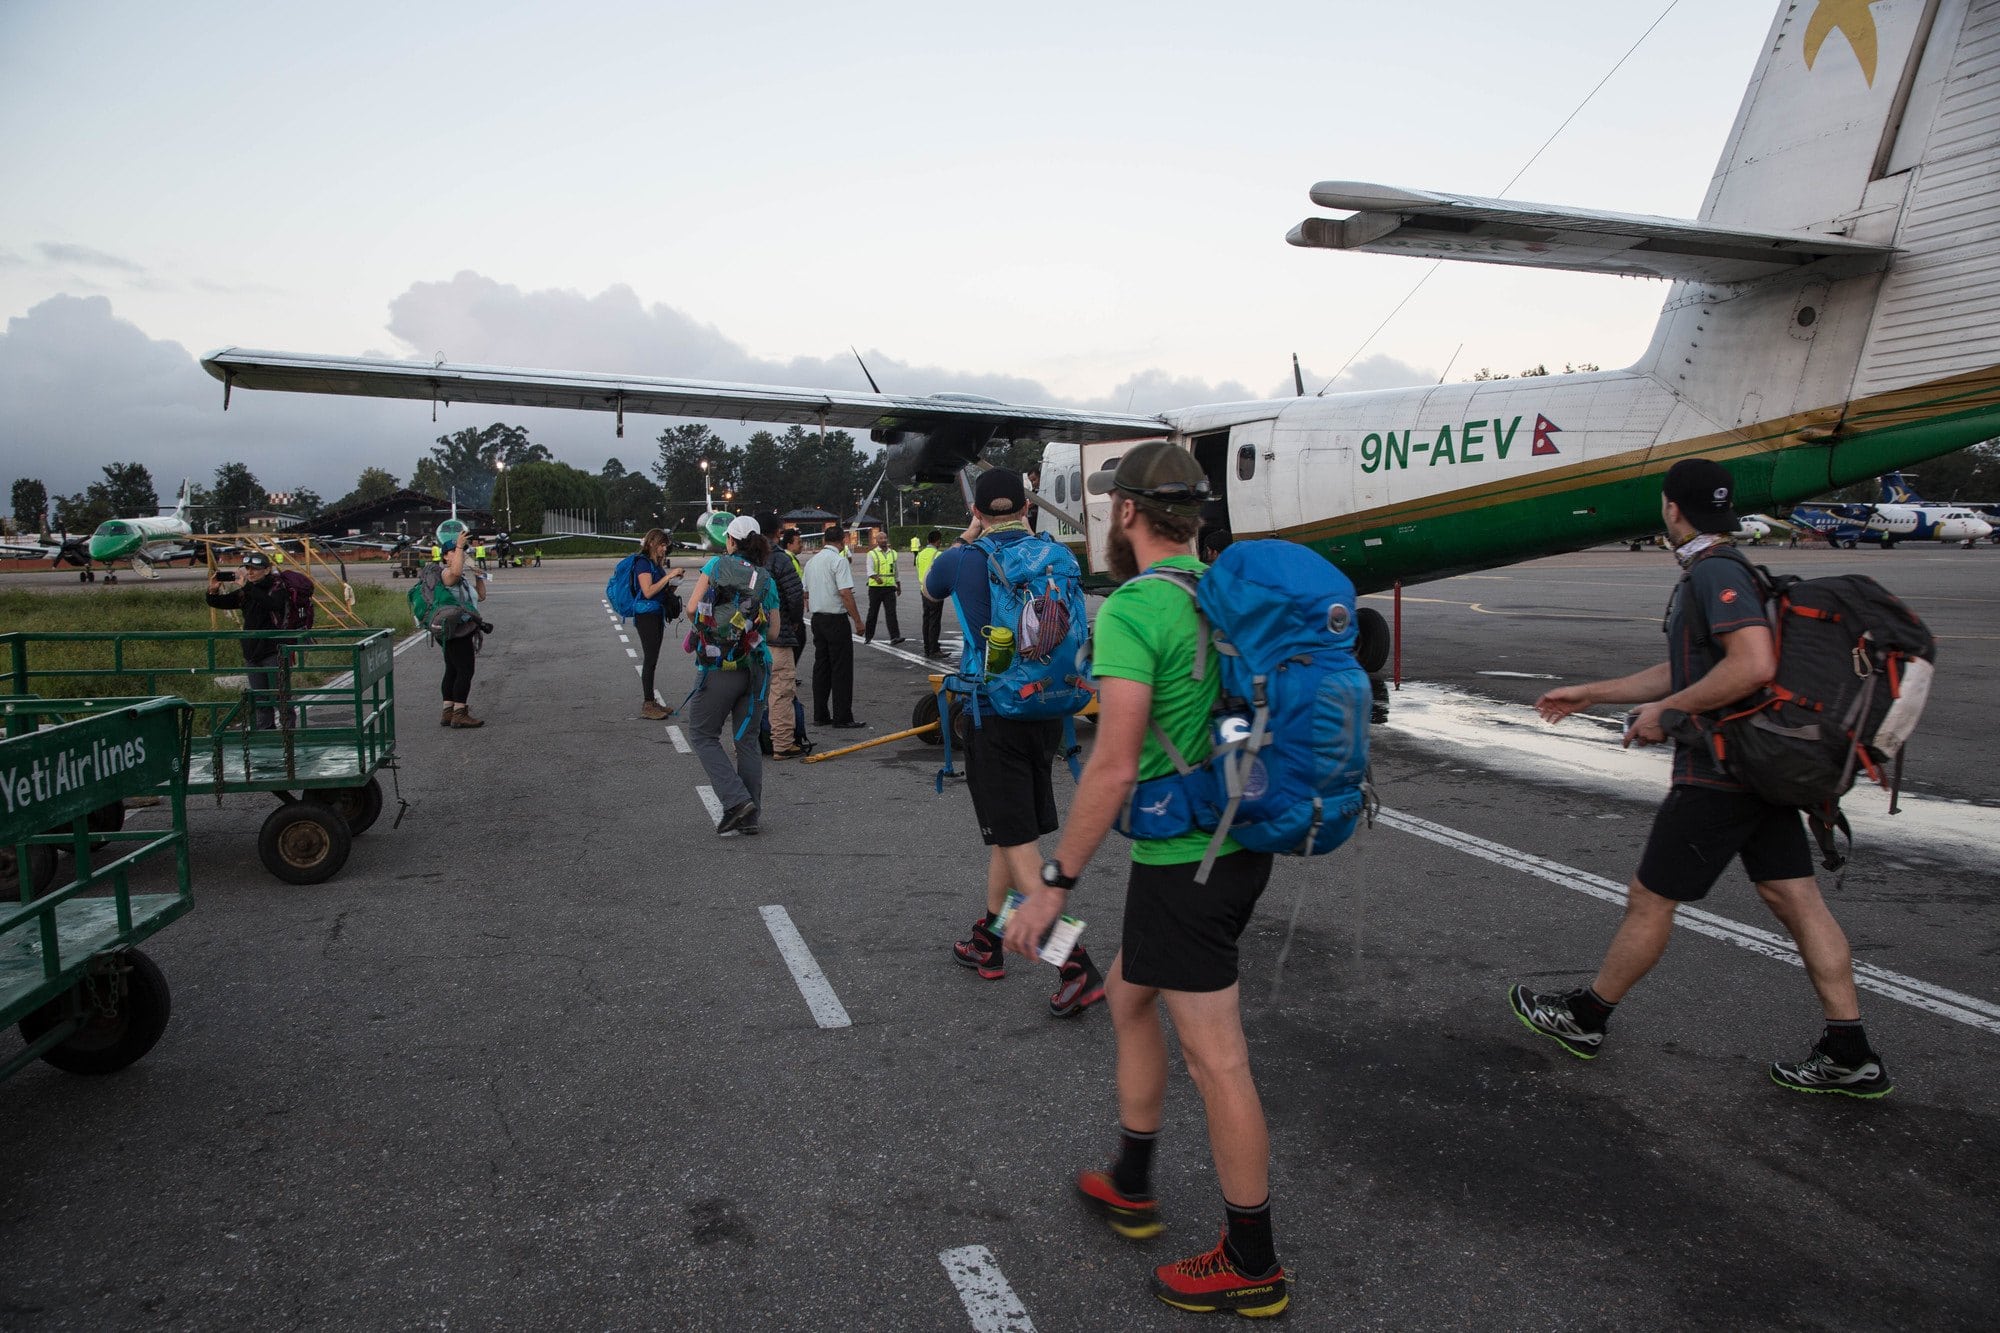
column 198, row 670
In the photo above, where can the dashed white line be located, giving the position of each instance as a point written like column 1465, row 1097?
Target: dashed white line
column 681, row 744
column 631, row 652
column 712, row 801
column 914, row 659
column 624, row 638
column 826, row 1008
column 1967, row 1009
column 983, row 1290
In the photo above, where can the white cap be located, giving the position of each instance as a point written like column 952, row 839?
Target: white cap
column 743, row 526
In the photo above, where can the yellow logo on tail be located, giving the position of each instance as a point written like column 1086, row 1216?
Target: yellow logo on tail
column 1853, row 21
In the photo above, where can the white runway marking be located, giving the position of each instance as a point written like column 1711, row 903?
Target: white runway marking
column 982, row 1287
column 825, row 1005
column 681, row 744
column 626, row 638
column 914, row 659
column 714, row 804
column 1967, row 1009
column 631, row 652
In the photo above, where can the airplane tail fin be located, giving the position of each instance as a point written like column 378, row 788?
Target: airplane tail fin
column 1896, row 490
column 1873, row 122
column 180, row 505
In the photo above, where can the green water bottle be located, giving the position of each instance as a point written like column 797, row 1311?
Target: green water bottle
column 999, row 650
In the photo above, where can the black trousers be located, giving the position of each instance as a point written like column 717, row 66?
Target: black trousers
column 833, row 669
column 651, row 626
column 882, row 598
column 933, row 627
column 459, row 657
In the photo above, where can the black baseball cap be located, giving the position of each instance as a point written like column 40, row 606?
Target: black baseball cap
column 1704, row 492
column 1159, row 475
column 999, row 491
column 256, row 560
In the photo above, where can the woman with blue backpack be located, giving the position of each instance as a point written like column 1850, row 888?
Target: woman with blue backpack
column 656, row 603
column 733, row 611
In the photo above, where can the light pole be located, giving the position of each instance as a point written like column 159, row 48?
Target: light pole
column 707, row 497
column 507, row 490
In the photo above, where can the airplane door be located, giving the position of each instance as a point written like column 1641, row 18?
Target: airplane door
column 1097, row 508
column 1252, row 499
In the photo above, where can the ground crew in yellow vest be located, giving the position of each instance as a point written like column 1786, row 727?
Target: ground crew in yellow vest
column 437, row 552
column 882, row 586
column 479, row 555
column 933, row 611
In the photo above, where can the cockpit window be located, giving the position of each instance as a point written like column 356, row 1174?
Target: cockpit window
column 116, row 529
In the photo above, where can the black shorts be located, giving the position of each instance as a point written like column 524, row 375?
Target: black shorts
column 1699, row 830
column 1180, row 935
column 1007, row 770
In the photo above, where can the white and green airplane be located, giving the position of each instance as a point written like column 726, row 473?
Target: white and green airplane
column 143, row 542
column 1834, row 313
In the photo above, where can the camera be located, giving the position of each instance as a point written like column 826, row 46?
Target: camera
column 485, row 627
column 225, row 576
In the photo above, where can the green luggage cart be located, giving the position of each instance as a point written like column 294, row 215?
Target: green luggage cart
column 334, row 707
column 86, row 1000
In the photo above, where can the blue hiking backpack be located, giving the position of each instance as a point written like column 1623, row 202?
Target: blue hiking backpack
column 1034, row 590
column 1288, row 771
column 622, row 588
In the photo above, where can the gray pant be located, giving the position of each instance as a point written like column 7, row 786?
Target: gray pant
column 723, row 702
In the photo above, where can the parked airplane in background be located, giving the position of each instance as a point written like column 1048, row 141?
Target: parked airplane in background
column 1837, row 526
column 144, row 542
column 1897, row 491
column 1818, row 331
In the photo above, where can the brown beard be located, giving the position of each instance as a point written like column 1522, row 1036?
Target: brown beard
column 1118, row 553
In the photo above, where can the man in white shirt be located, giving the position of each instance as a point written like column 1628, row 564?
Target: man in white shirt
column 829, row 587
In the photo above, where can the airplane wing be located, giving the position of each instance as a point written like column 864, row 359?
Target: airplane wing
column 1388, row 220
column 958, row 425
column 27, row 550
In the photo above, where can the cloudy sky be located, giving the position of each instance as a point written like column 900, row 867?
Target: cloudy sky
column 1044, row 202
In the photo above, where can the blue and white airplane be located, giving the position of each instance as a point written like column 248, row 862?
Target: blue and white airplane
column 1961, row 521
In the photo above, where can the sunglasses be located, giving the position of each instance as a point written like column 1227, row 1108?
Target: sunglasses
column 1173, row 493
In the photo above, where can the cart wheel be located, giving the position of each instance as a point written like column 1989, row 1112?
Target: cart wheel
column 41, row 871
column 304, row 843
column 359, row 806
column 925, row 713
column 1371, row 646
column 108, row 1041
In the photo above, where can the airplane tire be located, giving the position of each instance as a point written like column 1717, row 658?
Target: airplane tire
column 304, row 843
column 1372, row 644
column 109, row 1041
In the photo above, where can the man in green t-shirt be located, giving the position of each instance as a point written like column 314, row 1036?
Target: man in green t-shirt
column 1179, row 938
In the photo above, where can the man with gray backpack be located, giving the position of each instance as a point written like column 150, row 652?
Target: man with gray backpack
column 734, row 611
column 1747, row 723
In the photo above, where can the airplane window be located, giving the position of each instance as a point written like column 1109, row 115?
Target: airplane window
column 1246, row 462
column 1076, row 485
column 1062, row 489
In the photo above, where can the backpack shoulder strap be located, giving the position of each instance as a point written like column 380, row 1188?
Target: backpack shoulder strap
column 1189, row 583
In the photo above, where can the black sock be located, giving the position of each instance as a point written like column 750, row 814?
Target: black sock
column 1249, row 1245
column 1132, row 1173
column 991, row 917
column 1592, row 1010
column 1845, row 1041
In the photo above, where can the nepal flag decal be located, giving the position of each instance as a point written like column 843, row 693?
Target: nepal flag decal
column 1544, row 446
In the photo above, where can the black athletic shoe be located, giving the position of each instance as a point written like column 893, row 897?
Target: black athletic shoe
column 1552, row 1016
column 847, row 726
column 1820, row 1072
column 737, row 816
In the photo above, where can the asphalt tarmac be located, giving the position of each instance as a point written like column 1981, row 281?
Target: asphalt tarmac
column 535, row 1058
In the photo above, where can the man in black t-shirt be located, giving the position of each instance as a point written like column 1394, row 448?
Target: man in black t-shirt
column 263, row 601
column 1720, row 650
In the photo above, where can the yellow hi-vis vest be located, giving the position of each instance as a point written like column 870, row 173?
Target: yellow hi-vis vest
column 881, row 568
column 926, row 556
column 437, row 552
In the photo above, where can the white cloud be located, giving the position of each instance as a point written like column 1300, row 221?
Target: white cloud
column 81, row 387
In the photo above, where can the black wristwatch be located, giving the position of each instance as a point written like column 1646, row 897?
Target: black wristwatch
column 1053, row 876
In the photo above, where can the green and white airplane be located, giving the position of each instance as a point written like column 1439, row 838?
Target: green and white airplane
column 145, row 542
column 1834, row 314
column 141, row 541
